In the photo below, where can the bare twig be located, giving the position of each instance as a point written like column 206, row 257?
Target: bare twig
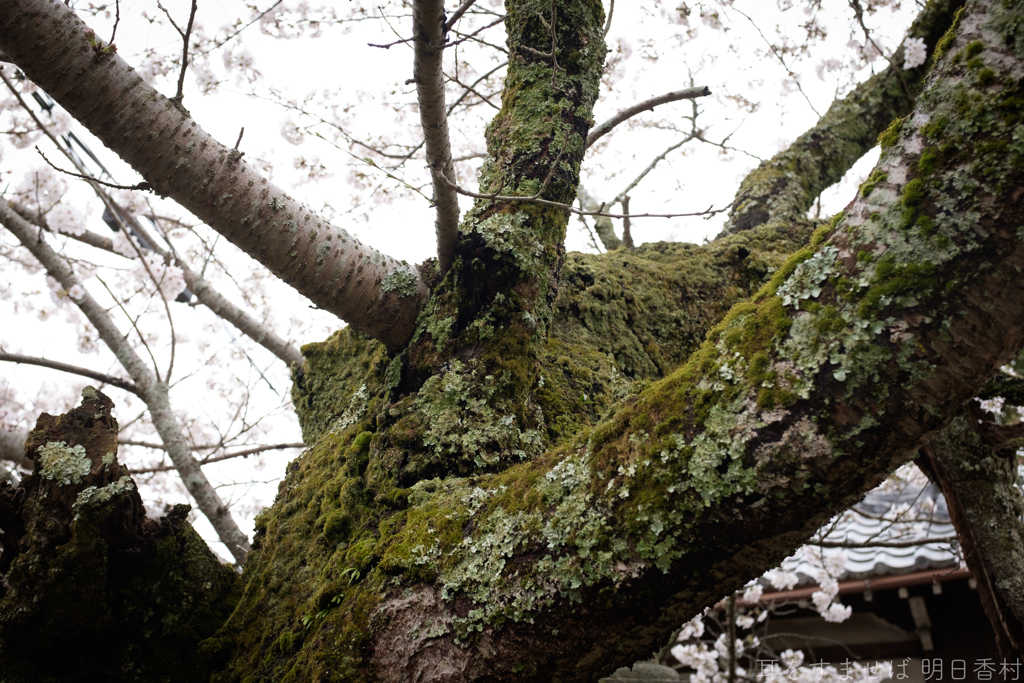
column 231, row 37
column 429, row 49
column 782, row 61
column 470, row 88
column 138, row 186
column 883, row 544
column 388, row 46
column 608, row 21
column 708, row 213
column 72, row 369
column 218, row 458
column 185, row 35
column 646, row 105
column 457, row 14
column 472, row 36
column 858, row 13
column 117, row 20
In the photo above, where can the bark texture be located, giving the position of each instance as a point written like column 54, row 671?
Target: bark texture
column 558, row 471
column 371, row 291
column 92, row 590
column 979, row 481
column 859, row 349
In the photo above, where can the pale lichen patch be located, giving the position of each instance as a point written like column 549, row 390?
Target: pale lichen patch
column 64, row 464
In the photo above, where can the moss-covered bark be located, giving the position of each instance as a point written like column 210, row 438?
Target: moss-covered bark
column 557, row 472
column 784, row 188
column 584, row 557
column 90, row 589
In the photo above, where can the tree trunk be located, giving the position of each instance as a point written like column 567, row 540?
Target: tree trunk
column 978, row 477
column 516, row 495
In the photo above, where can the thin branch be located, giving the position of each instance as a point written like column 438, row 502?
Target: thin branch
column 646, row 105
column 608, row 21
column 858, row 12
column 883, row 544
column 470, row 88
column 708, row 213
column 429, row 47
column 154, row 392
column 220, row 458
column 117, row 20
column 72, row 369
column 185, row 35
column 457, row 14
column 782, row 61
column 231, row 37
column 472, row 36
column 139, row 186
column 650, row 167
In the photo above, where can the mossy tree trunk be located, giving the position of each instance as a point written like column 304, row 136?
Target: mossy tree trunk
column 556, row 471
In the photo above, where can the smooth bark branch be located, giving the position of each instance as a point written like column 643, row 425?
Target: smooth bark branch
column 428, row 31
column 647, row 105
column 216, row 302
column 979, row 483
column 72, row 369
column 197, row 284
column 785, row 187
column 371, row 291
column 153, row 392
column 457, row 14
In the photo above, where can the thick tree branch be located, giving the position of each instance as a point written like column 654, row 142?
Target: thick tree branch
column 986, row 508
column 647, row 105
column 785, row 187
column 153, row 391
column 857, row 352
column 373, row 292
column 429, row 32
column 72, row 369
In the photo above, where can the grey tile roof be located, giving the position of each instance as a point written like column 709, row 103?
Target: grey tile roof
column 889, row 514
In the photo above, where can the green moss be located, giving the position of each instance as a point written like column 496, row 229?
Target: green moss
column 891, row 135
column 876, row 177
column 948, row 38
